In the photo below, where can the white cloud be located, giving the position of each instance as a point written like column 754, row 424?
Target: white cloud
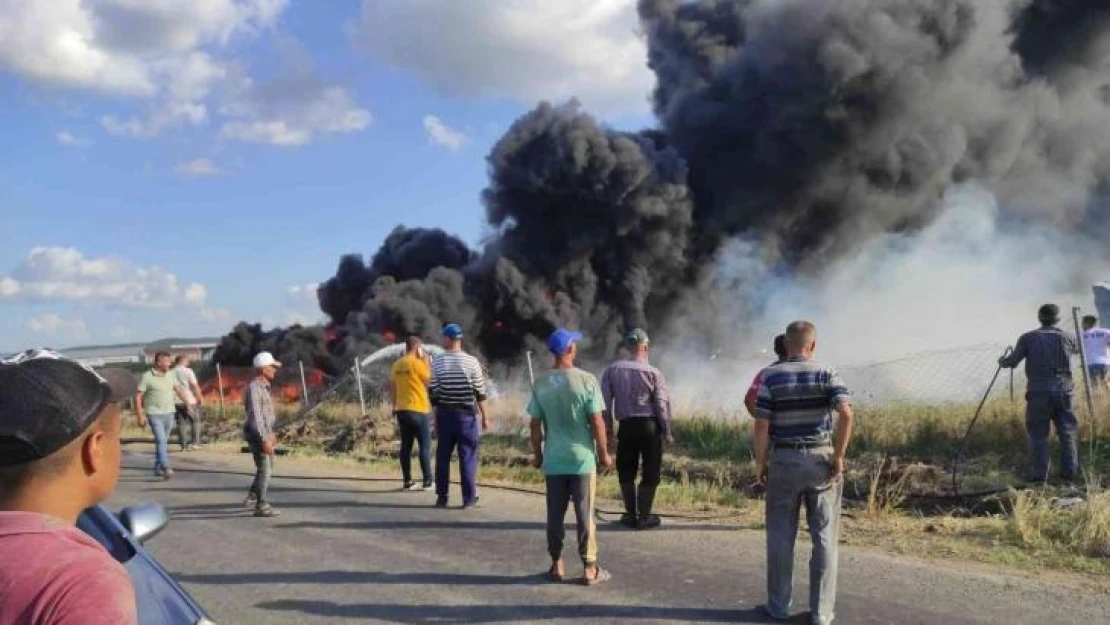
column 160, row 51
column 298, row 292
column 196, row 168
column 220, row 315
column 291, row 111
column 64, row 274
column 69, row 139
column 440, row 133
column 525, row 50
column 55, row 325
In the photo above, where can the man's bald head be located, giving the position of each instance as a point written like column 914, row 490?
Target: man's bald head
column 801, row 338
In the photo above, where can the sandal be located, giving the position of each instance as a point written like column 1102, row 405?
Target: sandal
column 600, row 575
column 553, row 574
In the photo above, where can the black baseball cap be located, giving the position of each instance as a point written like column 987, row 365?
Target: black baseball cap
column 47, row 401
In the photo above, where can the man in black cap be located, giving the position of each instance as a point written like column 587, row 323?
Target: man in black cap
column 59, row 454
column 636, row 397
column 1048, row 400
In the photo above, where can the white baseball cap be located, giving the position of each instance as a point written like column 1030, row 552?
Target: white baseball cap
column 265, row 359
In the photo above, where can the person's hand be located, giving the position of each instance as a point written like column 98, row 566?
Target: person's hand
column 537, row 461
column 836, row 468
column 142, row 420
column 761, row 475
column 669, row 440
column 605, row 460
column 486, row 423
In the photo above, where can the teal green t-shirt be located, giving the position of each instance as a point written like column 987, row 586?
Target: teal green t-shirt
column 158, row 393
column 564, row 399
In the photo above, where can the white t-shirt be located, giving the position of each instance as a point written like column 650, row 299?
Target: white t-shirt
column 186, row 378
column 1096, row 345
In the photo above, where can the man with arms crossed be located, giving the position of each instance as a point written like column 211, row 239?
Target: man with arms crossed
column 155, row 401
column 188, row 404
column 410, row 377
column 258, row 430
column 59, row 454
column 459, row 396
column 636, row 397
column 800, row 457
column 1096, row 347
column 568, row 440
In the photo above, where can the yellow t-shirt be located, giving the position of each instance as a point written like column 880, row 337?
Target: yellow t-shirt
column 411, row 377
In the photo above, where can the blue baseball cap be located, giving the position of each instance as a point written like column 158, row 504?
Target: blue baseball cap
column 561, row 340
column 452, row 331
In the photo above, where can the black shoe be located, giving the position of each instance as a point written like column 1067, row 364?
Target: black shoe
column 648, row 522
column 630, row 521
column 472, row 504
column 441, row 501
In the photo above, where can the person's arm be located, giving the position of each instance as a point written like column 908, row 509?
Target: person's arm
column 841, row 401
column 197, row 394
column 607, row 397
column 392, row 390
column 750, row 396
column 1016, row 356
column 662, row 406
column 535, row 411
column 597, row 424
column 255, row 413
column 478, row 380
column 139, row 413
column 764, row 410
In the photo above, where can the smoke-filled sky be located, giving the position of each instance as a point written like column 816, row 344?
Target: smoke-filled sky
column 911, row 174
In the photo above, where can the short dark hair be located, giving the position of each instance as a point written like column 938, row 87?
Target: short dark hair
column 800, row 333
column 780, row 346
column 1049, row 314
column 1091, row 319
column 178, row 359
column 158, row 355
column 412, row 341
column 15, row 477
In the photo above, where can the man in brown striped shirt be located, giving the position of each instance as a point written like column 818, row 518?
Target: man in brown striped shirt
column 636, row 396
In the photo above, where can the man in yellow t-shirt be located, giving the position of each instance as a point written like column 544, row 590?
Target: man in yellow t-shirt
column 410, row 377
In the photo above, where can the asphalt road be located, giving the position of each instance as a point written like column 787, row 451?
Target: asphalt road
column 362, row 551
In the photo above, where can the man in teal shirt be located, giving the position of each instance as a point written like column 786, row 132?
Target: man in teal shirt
column 568, row 439
column 155, row 403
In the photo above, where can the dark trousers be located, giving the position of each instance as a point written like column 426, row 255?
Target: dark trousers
column 457, row 429
column 579, row 490
column 263, row 467
column 414, row 428
column 188, row 424
column 1042, row 411
column 639, row 443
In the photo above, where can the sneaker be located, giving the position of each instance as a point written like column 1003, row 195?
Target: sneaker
column 266, row 510
column 428, row 486
column 167, row 474
column 251, row 501
column 630, row 521
column 441, row 501
column 409, row 486
column 648, row 522
column 472, row 504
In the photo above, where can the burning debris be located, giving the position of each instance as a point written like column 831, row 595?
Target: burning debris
column 806, row 128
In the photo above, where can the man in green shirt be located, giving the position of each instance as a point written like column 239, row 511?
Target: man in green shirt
column 569, row 441
column 155, row 402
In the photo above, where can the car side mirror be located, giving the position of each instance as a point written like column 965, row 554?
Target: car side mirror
column 145, row 520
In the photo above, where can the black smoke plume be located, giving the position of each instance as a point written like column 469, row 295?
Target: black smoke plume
column 307, row 345
column 805, row 126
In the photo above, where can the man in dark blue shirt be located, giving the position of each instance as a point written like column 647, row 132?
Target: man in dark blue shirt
column 1048, row 399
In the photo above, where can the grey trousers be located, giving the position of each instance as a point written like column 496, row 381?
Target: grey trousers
column 263, row 465
column 579, row 490
column 797, row 477
column 188, row 422
column 1042, row 411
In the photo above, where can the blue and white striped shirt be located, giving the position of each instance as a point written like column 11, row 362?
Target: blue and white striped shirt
column 457, row 382
column 798, row 398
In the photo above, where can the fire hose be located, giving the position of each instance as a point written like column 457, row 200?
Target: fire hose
column 974, row 419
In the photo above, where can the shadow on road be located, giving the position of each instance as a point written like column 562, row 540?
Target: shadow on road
column 363, row 577
column 449, row 524
column 402, row 613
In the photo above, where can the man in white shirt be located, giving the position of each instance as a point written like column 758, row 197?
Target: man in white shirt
column 1096, row 347
column 188, row 413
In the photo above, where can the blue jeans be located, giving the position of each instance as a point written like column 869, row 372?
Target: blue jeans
column 457, row 429
column 1042, row 411
column 797, row 477
column 414, row 428
column 160, row 425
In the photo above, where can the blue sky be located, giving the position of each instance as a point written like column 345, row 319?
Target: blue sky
column 172, row 167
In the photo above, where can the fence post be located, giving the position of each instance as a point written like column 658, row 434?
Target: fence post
column 358, row 381
column 1086, row 383
column 304, row 385
column 220, row 385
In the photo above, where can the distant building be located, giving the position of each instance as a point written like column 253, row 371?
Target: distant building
column 198, row 349
column 1102, row 302
column 106, row 355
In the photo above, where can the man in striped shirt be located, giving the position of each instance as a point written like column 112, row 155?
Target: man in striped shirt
column 800, row 456
column 1048, row 398
column 458, row 393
